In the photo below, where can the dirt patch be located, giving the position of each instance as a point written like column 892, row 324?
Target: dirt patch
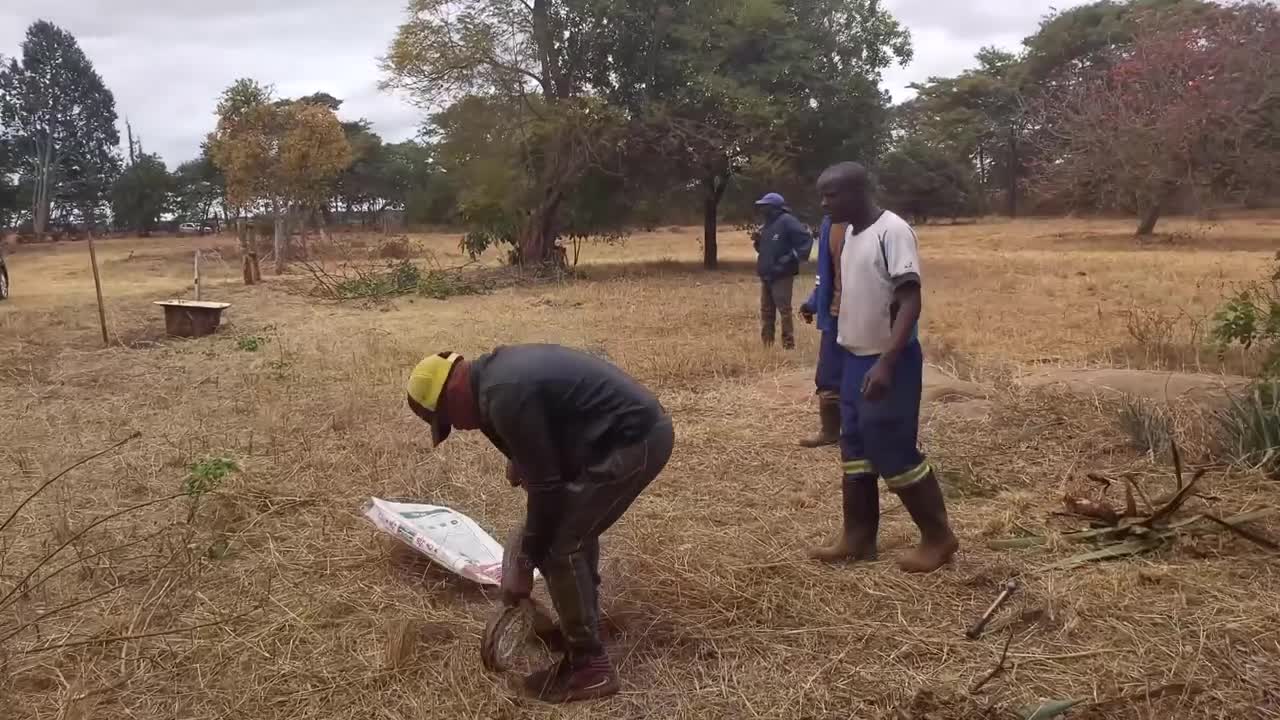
column 1205, row 391
column 943, row 397
column 938, row 387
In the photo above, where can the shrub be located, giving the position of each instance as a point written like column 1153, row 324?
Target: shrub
column 1251, row 319
column 1250, row 427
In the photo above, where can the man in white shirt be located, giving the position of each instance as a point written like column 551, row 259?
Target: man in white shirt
column 882, row 377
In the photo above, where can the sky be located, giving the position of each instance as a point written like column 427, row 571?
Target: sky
column 166, row 61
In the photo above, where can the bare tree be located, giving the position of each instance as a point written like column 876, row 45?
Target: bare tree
column 1190, row 105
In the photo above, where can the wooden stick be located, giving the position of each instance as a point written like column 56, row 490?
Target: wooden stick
column 975, row 632
column 139, row 636
column 1247, row 535
column 97, row 286
column 196, row 281
column 62, row 472
column 999, row 668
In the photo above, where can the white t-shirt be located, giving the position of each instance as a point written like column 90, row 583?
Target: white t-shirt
column 873, row 264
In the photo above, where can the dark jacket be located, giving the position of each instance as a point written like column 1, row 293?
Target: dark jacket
column 781, row 246
column 553, row 411
column 824, row 287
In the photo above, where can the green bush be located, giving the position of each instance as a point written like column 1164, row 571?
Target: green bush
column 1251, row 319
column 403, row 278
column 397, row 278
column 1250, row 427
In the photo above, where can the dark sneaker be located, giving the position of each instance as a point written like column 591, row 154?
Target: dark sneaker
column 565, row 682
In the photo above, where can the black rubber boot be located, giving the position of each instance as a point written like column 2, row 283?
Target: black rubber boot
column 857, row 538
column 929, row 511
column 829, row 419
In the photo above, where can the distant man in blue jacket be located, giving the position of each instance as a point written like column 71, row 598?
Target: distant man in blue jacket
column 822, row 307
column 780, row 246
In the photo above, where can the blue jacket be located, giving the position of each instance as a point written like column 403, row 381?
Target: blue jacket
column 781, row 246
column 823, row 286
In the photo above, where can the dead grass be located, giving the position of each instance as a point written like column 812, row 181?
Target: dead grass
column 271, row 598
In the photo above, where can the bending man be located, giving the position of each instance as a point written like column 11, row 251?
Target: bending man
column 583, row 439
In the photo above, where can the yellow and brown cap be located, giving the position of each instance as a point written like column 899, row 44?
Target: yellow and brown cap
column 426, row 385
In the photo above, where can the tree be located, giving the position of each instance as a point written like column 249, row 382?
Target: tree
column 142, row 194
column 977, row 116
column 281, row 155
column 415, row 183
column 1186, row 107
column 1072, row 44
column 924, row 181
column 362, row 186
column 772, row 90
column 8, row 190
column 537, row 60
column 197, row 185
column 59, row 118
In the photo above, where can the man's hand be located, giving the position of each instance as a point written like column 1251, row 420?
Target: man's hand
column 875, row 384
column 517, row 584
column 807, row 312
column 517, row 571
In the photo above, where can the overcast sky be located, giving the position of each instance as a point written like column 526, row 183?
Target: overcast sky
column 167, row 60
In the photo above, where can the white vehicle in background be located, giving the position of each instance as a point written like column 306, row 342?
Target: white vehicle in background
column 188, row 228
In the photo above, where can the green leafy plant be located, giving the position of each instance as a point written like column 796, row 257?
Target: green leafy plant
column 206, row 475
column 1251, row 319
column 251, row 343
column 397, row 278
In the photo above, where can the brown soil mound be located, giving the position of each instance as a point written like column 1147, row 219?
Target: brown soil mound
column 1200, row 389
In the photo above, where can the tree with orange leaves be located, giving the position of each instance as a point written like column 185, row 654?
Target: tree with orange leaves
column 279, row 154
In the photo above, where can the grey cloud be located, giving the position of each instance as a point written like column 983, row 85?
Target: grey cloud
column 973, row 18
column 167, row 60
column 947, row 35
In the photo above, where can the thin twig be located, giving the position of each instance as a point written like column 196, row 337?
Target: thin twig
column 81, row 560
column 139, row 636
column 1177, row 460
column 1247, row 535
column 999, row 668
column 19, row 585
column 65, row 470
column 59, row 609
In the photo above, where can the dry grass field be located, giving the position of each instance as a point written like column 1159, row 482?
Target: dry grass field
column 123, row 594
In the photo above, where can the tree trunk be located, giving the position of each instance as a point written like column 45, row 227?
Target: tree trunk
column 41, row 205
column 1013, row 172
column 1151, row 213
column 710, row 250
column 1147, row 222
column 319, row 214
column 537, row 237
column 548, row 53
column 713, row 188
column 278, row 240
column 248, row 258
column 982, row 181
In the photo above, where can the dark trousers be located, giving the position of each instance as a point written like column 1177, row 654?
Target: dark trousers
column 830, row 371
column 775, row 300
column 594, row 503
column 880, row 437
